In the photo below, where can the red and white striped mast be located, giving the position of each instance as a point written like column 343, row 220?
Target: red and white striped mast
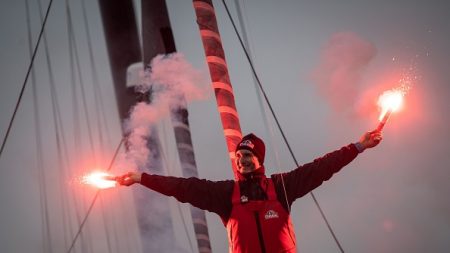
column 215, row 57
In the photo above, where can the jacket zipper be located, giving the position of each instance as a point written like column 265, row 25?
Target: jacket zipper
column 260, row 235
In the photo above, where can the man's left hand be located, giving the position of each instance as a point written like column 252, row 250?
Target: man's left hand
column 371, row 139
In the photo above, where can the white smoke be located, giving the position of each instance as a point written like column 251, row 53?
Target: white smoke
column 173, row 82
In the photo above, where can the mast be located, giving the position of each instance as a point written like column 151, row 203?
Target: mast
column 123, row 46
column 158, row 38
column 121, row 33
column 215, row 57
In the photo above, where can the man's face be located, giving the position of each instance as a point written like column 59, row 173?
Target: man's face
column 246, row 162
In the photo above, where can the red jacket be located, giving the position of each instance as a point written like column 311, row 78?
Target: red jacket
column 259, row 225
column 217, row 196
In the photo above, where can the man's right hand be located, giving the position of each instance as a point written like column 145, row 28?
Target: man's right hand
column 129, row 178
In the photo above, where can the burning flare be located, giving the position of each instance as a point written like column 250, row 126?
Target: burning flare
column 390, row 101
column 101, row 180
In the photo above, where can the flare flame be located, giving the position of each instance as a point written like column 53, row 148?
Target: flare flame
column 391, row 100
column 99, row 179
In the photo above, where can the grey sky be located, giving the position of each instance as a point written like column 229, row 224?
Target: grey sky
column 393, row 198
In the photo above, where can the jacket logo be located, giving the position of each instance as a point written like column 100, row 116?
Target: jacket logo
column 244, row 199
column 271, row 214
column 247, row 143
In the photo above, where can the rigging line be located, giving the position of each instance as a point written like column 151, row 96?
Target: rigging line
column 83, row 93
column 126, row 226
column 58, row 125
column 73, row 51
column 86, row 240
column 105, row 225
column 265, row 97
column 60, row 164
column 30, row 66
column 47, row 244
column 95, row 198
column 279, row 126
column 247, row 45
column 256, row 78
column 76, row 112
column 268, row 127
column 99, row 111
column 95, row 81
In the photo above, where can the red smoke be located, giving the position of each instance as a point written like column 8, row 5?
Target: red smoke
column 338, row 75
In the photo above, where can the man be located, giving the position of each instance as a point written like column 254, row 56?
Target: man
column 255, row 209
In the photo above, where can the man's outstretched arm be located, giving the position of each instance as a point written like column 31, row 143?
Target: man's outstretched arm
column 204, row 194
column 307, row 177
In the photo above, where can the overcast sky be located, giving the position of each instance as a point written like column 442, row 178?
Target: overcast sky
column 323, row 65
